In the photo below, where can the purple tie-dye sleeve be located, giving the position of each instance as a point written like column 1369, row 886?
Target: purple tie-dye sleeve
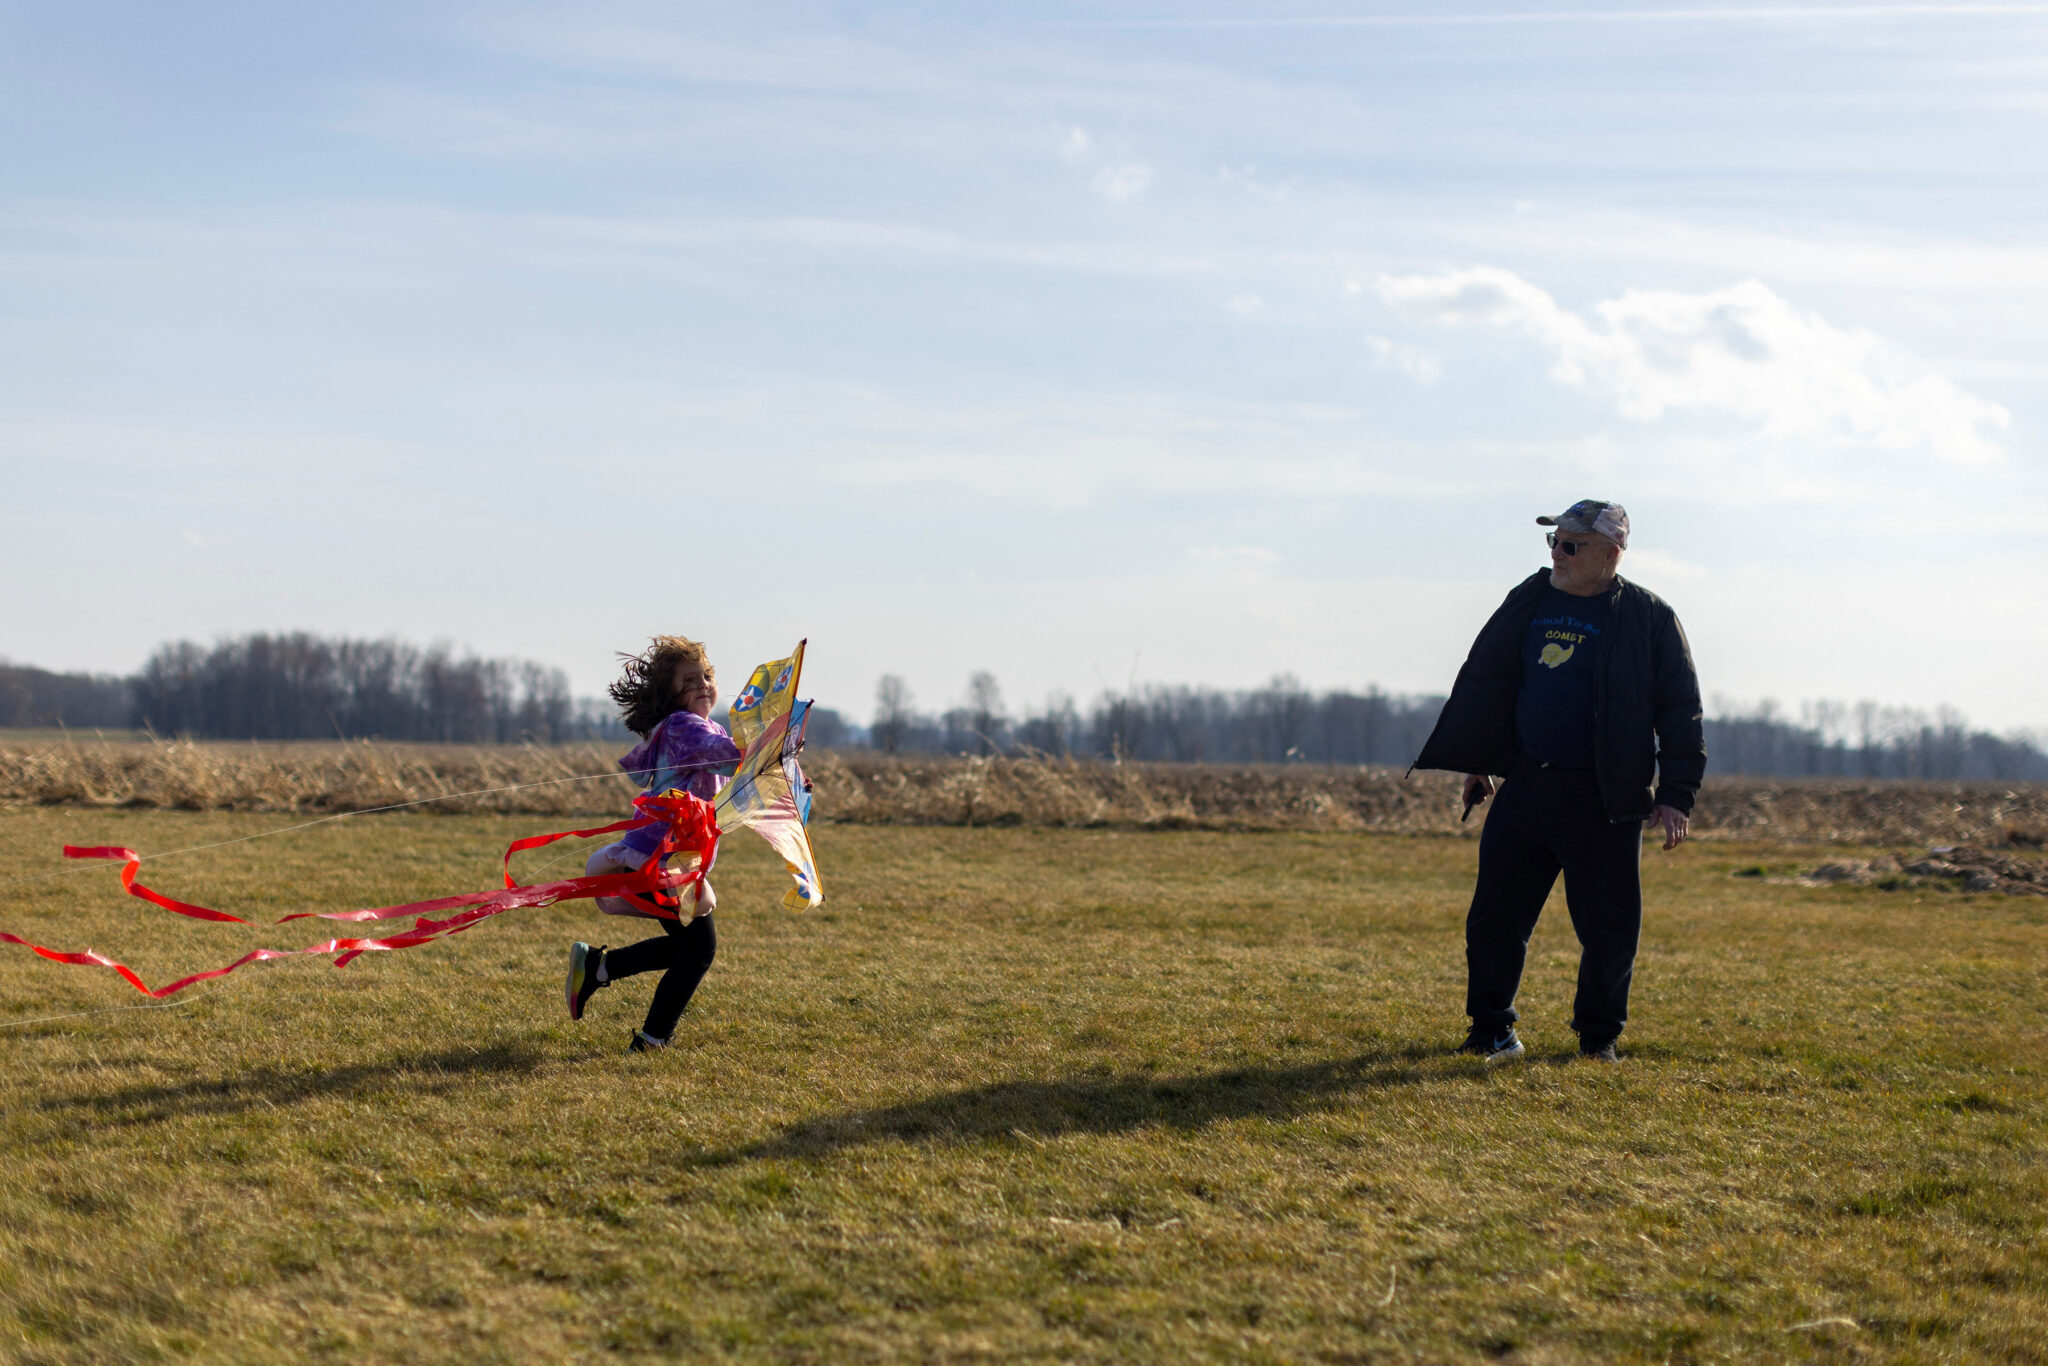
column 689, row 740
column 640, row 758
column 684, row 741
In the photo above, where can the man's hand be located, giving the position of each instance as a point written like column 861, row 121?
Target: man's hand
column 1478, row 787
column 1675, row 822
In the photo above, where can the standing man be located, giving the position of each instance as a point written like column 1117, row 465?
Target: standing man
column 1580, row 692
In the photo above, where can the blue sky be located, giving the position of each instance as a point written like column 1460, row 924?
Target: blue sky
column 1080, row 343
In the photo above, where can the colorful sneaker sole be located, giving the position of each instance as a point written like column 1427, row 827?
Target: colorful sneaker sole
column 576, row 990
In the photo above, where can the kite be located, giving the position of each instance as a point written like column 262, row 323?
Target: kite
column 768, row 791
column 768, row 794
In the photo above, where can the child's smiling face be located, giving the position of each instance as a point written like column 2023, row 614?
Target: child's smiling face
column 693, row 686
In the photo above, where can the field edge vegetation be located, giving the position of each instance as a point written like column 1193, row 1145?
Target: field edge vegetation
column 864, row 787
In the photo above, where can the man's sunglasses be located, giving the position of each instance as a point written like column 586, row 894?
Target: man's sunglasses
column 1568, row 547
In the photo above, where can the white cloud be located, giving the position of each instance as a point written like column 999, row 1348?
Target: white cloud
column 1123, row 183
column 1740, row 351
column 1247, row 178
column 1077, row 145
column 1820, row 253
column 1413, row 362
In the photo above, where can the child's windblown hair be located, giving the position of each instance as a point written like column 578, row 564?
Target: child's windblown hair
column 646, row 691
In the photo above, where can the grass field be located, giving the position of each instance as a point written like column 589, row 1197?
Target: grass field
column 1015, row 1094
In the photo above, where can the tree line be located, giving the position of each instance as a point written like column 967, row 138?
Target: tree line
column 1866, row 740
column 1284, row 722
column 298, row 686
column 1280, row 723
column 38, row 697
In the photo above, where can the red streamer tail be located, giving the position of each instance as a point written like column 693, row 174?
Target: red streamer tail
column 688, row 827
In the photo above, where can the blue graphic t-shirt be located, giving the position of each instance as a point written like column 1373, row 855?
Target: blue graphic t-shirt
column 1554, row 710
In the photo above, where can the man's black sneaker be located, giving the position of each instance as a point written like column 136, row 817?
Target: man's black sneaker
column 1598, row 1050
column 582, row 983
column 1494, row 1045
column 643, row 1042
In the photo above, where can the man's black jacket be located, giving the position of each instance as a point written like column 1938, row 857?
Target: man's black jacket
column 1646, row 702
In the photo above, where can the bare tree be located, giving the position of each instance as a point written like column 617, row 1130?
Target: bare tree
column 893, row 713
column 985, row 715
column 1055, row 729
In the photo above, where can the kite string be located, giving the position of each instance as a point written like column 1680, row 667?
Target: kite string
column 394, row 806
column 139, row 1005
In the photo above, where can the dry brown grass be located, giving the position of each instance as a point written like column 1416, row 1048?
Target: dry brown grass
column 868, row 788
column 177, row 775
column 865, row 788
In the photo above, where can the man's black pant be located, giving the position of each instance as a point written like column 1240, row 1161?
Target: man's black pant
column 1545, row 820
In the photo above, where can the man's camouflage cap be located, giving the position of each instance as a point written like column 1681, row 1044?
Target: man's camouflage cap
column 1591, row 517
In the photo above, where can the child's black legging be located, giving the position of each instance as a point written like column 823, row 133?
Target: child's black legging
column 682, row 955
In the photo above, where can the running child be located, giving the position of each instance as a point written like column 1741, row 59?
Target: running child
column 665, row 696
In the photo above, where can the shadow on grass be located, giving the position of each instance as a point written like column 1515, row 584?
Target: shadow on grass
column 418, row 1074
column 1034, row 1111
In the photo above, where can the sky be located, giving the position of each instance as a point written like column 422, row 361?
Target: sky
column 1090, row 345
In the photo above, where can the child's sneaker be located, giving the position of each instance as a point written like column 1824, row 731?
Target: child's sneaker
column 643, row 1042
column 582, row 983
